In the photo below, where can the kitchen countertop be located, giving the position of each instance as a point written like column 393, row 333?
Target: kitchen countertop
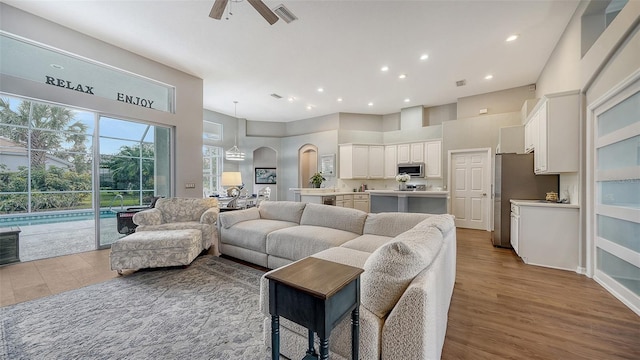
column 329, row 193
column 543, row 203
column 409, row 193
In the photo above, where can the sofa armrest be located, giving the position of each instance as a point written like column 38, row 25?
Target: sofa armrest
column 148, row 217
column 210, row 216
column 230, row 218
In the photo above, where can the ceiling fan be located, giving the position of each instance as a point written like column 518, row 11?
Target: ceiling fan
column 219, row 5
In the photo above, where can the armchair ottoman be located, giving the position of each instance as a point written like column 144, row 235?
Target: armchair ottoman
column 149, row 249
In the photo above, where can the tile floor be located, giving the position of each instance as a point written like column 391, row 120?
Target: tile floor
column 34, row 279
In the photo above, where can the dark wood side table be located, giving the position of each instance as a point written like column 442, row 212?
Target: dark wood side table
column 316, row 294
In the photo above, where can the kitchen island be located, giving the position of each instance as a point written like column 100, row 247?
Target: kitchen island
column 430, row 202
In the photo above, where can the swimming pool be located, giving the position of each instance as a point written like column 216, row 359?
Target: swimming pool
column 51, row 217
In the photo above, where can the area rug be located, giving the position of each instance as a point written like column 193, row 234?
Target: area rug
column 209, row 310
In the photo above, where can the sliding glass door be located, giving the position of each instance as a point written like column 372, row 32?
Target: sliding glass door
column 615, row 222
column 52, row 189
column 134, row 168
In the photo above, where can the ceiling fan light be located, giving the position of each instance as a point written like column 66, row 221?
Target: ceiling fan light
column 284, row 13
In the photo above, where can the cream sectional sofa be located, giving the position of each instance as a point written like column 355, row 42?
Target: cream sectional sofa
column 409, row 262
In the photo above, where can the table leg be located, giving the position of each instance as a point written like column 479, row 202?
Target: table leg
column 275, row 337
column 312, row 349
column 324, row 349
column 355, row 333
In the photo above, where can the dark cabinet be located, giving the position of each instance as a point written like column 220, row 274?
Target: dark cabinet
column 9, row 245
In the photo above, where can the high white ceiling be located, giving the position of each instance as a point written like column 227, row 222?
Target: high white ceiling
column 337, row 45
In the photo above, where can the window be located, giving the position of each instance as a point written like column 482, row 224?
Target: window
column 211, row 169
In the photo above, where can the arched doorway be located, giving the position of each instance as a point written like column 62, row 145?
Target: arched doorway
column 307, row 164
column 265, row 159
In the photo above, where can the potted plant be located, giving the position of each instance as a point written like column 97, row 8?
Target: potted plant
column 316, row 180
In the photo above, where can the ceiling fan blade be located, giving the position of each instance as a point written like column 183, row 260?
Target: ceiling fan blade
column 218, row 9
column 266, row 13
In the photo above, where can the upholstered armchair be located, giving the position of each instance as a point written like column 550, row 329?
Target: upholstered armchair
column 181, row 214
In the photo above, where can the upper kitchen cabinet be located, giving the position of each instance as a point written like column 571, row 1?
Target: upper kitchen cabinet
column 410, row 153
column 433, row 159
column 361, row 161
column 552, row 132
column 390, row 161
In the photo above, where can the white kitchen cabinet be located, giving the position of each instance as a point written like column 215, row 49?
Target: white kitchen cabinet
column 552, row 133
column 515, row 227
column 404, row 154
column 433, row 159
column 361, row 161
column 546, row 234
column 361, row 202
column 540, row 155
column 531, row 133
column 390, row 161
column 410, row 153
column 417, row 152
column 376, row 162
column 344, row 201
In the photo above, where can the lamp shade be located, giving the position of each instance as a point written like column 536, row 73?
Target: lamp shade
column 231, row 178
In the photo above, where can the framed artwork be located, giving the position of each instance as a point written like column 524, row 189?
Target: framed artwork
column 328, row 165
column 265, row 175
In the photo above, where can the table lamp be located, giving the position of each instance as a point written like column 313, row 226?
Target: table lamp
column 232, row 182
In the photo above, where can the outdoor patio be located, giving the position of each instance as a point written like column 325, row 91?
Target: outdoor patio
column 64, row 238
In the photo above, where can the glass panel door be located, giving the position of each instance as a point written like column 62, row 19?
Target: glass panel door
column 46, row 169
column 134, row 169
column 616, row 187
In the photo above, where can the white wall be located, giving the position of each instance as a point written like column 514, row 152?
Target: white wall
column 187, row 120
column 613, row 56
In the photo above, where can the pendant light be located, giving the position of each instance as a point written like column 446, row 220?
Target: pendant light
column 234, row 154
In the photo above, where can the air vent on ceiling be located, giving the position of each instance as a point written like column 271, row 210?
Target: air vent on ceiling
column 532, row 87
column 276, row 96
column 284, row 13
column 461, row 82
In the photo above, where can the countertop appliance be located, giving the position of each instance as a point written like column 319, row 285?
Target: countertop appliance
column 413, row 169
column 515, row 179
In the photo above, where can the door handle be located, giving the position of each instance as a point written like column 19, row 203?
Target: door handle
column 484, row 194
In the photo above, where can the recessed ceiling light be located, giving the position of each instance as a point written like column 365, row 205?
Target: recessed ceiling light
column 512, row 37
column 339, row 99
column 407, row 100
column 384, row 68
column 488, row 77
column 309, row 107
column 320, row 89
column 56, row 66
column 424, row 57
column 291, row 99
column 370, row 104
column 402, row 76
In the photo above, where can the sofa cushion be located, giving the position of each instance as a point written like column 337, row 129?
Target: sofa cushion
column 344, row 256
column 392, row 223
column 367, row 242
column 229, row 218
column 392, row 267
column 282, row 210
column 346, row 219
column 252, row 234
column 298, row 242
column 443, row 222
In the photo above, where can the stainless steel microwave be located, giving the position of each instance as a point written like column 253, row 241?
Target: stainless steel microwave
column 415, row 169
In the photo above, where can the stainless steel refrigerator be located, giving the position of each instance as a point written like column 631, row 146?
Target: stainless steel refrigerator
column 515, row 179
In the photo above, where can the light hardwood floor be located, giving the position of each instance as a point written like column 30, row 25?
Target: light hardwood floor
column 501, row 308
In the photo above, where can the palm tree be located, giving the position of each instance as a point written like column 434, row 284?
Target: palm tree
column 125, row 166
column 50, row 127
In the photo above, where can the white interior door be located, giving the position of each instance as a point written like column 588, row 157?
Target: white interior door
column 469, row 189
